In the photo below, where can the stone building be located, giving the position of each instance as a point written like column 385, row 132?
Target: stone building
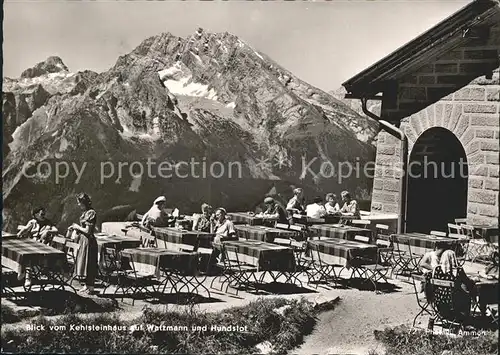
column 440, row 112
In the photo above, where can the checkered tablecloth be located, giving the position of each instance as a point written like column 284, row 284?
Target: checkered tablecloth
column 265, row 256
column 345, row 232
column 19, row 253
column 420, row 243
column 121, row 242
column 153, row 260
column 344, row 252
column 173, row 238
column 261, row 233
column 245, row 218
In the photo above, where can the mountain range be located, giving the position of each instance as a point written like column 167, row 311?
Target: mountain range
column 211, row 100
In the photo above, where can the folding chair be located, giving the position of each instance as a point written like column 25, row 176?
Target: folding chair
column 438, row 233
column 385, row 250
column 149, row 241
column 131, row 280
column 362, row 239
column 112, row 268
column 71, row 253
column 478, row 246
column 422, row 301
column 444, row 312
column 404, row 258
column 374, row 272
column 460, row 221
column 319, row 267
column 454, row 231
column 8, row 277
column 234, row 272
column 59, row 243
column 362, row 223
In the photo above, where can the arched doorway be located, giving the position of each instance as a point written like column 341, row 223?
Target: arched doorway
column 437, row 181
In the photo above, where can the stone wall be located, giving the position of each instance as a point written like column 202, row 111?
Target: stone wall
column 471, row 112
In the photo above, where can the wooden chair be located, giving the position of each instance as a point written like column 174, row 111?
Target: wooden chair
column 385, row 249
column 461, row 221
column 422, row 301
column 362, row 223
column 438, row 233
column 58, row 242
column 362, row 239
column 324, row 270
column 149, row 241
column 374, row 272
column 455, row 231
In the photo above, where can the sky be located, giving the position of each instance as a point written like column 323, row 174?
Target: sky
column 323, row 43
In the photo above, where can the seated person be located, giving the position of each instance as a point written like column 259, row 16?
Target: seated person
column 332, row 205
column 453, row 304
column 274, row 211
column 203, row 222
column 431, row 259
column 156, row 216
column 39, row 228
column 296, row 203
column 350, row 207
column 316, row 209
column 223, row 227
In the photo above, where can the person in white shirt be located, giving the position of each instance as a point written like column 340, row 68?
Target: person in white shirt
column 156, row 216
column 296, row 203
column 332, row 206
column 223, row 227
column 350, row 207
column 316, row 209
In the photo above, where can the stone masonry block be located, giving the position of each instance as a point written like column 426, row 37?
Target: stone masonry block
column 376, row 206
column 478, row 170
column 429, row 68
column 476, row 158
column 431, row 116
column 462, row 125
column 491, row 158
column 448, row 68
column 378, row 184
column 467, row 137
column 490, row 145
column 472, row 208
column 438, row 114
column 493, row 94
column 476, row 183
column 470, row 94
column 491, row 184
column 473, row 147
column 455, row 116
column 391, row 185
column 452, row 55
column 382, row 197
column 484, row 120
column 483, row 133
column 489, row 211
column 386, row 149
column 448, row 109
column 483, row 196
column 427, row 79
column 493, row 171
column 390, row 208
column 480, row 108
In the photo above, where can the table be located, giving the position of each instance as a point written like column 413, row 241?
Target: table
column 121, row 242
column 173, row 238
column 45, row 262
column 264, row 256
column 245, row 218
column 176, row 267
column 340, row 232
column 422, row 243
column 261, row 233
column 343, row 252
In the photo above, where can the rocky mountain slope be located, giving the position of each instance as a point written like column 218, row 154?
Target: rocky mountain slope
column 207, row 118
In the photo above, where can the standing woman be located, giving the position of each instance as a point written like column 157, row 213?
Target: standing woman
column 86, row 258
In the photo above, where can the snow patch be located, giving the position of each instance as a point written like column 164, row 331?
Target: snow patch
column 184, row 87
column 258, row 55
column 176, row 68
column 231, row 105
column 64, row 144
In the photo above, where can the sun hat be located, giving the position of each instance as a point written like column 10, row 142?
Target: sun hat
column 160, row 199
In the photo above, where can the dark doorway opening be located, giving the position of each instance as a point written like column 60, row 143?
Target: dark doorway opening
column 437, row 182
